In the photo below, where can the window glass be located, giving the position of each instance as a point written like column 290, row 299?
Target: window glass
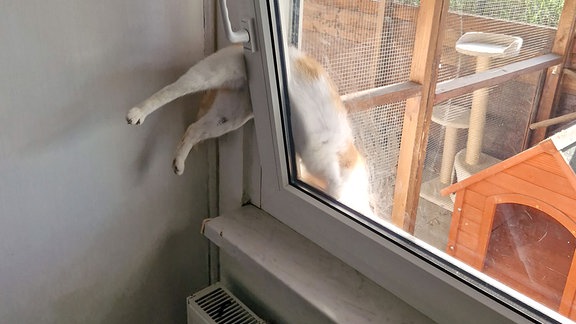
column 485, row 197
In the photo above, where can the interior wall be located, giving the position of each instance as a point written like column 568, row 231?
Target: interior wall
column 94, row 226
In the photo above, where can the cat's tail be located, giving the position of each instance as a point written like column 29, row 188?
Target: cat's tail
column 223, row 69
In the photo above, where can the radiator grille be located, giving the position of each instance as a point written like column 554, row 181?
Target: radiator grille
column 216, row 304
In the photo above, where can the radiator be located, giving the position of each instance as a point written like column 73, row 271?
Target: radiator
column 216, row 305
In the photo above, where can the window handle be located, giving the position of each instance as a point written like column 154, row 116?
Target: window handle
column 241, row 36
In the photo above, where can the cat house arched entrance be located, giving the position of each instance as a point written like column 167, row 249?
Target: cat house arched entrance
column 516, row 221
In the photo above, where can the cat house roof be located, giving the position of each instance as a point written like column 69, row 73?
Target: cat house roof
column 556, row 154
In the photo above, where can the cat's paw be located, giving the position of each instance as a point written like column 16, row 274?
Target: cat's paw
column 178, row 166
column 135, row 116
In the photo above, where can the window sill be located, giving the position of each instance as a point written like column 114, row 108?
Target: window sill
column 257, row 240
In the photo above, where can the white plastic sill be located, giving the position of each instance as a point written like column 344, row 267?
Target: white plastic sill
column 335, row 289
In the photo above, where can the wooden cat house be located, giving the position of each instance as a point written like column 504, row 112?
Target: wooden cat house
column 516, row 221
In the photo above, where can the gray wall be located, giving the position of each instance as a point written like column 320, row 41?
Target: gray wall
column 94, row 227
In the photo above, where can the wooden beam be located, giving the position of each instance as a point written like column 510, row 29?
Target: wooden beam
column 367, row 99
column 375, row 58
column 427, row 50
column 562, row 46
column 460, row 86
column 554, row 121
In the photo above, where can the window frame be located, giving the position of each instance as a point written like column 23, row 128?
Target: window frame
column 395, row 260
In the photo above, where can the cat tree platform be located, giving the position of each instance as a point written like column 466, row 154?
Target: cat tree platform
column 491, row 45
column 465, row 170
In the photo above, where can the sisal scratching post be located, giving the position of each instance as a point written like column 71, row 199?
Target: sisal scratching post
column 477, row 116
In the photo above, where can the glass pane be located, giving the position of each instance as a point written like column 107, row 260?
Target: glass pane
column 485, row 198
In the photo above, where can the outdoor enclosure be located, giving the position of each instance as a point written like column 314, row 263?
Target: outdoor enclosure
column 438, row 92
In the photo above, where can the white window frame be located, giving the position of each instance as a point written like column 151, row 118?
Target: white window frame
column 395, row 260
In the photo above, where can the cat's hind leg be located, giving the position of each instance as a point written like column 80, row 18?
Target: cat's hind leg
column 172, row 91
column 224, row 68
column 230, row 109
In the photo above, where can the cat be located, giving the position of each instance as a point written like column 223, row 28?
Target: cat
column 327, row 156
column 224, row 108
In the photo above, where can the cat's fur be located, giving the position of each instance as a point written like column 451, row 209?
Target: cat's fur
column 328, row 158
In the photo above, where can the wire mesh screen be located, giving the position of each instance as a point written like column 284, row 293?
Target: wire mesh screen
column 361, row 43
column 530, row 22
column 378, row 132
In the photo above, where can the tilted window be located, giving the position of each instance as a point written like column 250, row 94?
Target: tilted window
column 440, row 99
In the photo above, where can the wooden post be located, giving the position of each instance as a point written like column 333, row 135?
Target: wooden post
column 417, row 117
column 375, row 59
column 562, row 46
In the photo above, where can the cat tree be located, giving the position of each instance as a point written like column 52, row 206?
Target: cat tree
column 485, row 47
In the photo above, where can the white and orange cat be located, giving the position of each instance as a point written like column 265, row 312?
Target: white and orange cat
column 323, row 139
